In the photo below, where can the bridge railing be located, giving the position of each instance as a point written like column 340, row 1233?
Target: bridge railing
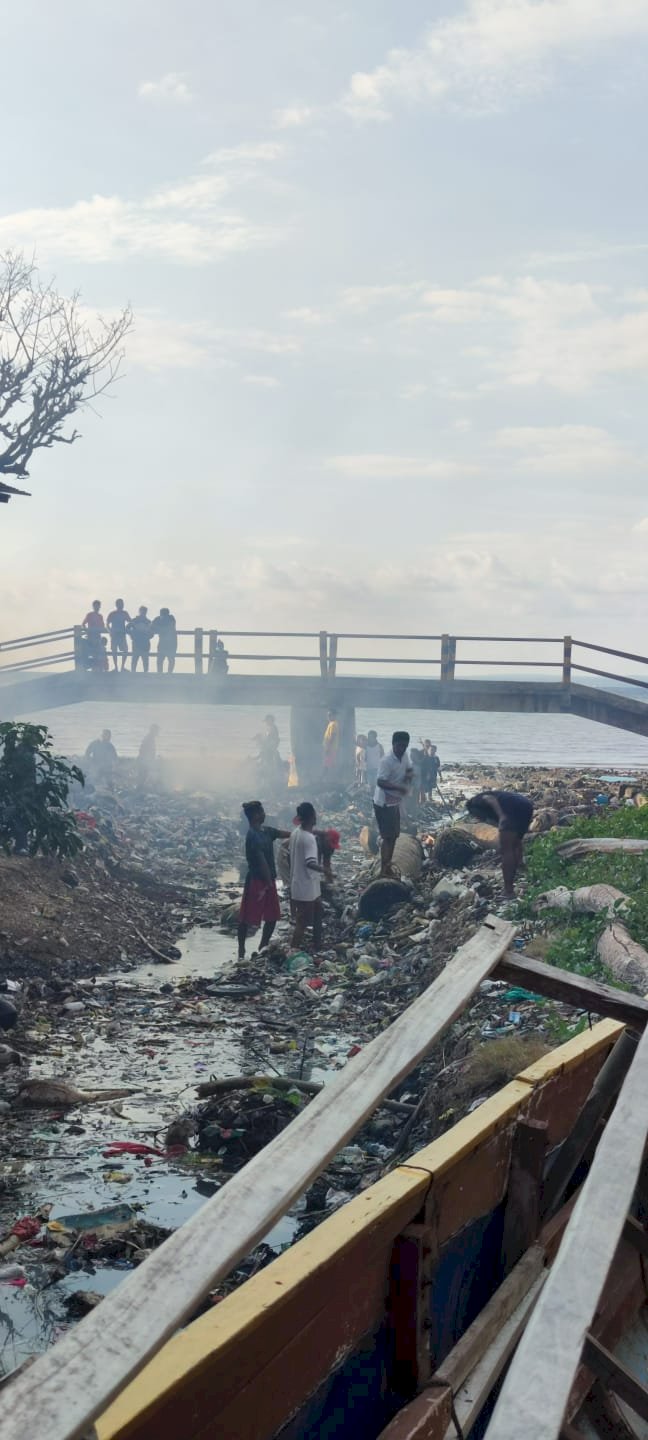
column 435, row 656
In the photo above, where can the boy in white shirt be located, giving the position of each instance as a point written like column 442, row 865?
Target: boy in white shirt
column 394, row 779
column 305, row 871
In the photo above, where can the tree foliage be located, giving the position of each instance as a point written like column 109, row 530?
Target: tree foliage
column 34, row 789
column 52, row 362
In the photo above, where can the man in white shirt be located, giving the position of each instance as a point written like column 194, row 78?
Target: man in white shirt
column 392, row 784
column 305, row 884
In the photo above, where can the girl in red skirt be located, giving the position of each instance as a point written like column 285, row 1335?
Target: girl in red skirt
column 260, row 903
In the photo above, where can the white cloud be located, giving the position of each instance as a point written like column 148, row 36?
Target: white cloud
column 170, row 89
column 559, row 449
column 543, row 332
column 384, row 467
column 414, row 391
column 493, row 52
column 265, row 382
column 292, row 116
column 187, row 221
column 304, row 315
column 642, row 526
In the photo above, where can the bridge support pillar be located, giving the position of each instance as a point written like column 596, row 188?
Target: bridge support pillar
column 307, row 726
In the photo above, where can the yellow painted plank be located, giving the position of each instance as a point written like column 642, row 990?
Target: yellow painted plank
column 573, row 1052
column 472, row 1131
column 247, row 1308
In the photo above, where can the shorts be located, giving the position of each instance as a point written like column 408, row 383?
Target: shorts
column 260, row 902
column 306, row 909
column 518, row 817
column 388, row 820
column 119, row 645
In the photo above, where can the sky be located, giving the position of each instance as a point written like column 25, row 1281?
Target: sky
column 388, row 269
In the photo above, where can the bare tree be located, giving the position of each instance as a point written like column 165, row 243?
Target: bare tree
column 52, row 362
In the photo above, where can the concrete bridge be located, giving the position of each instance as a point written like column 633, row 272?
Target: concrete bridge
column 46, row 671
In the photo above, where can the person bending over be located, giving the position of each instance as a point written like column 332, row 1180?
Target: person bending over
column 305, row 872
column 512, row 813
column 260, row 902
column 393, row 782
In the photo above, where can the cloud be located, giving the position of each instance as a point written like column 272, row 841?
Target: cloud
column 386, row 467
column 188, row 221
column 560, row 449
column 641, row 526
column 169, row 89
column 304, row 315
column 542, row 332
column 265, row 382
column 492, row 53
column 292, row 117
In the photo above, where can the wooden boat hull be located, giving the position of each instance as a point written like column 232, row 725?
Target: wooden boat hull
column 336, row 1336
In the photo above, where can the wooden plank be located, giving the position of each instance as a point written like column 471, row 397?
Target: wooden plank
column 425, row 1418
column 536, row 1389
column 471, row 1397
column 616, row 1376
column 623, row 1297
column 636, row 1236
column 75, row 1380
column 604, row 1416
column 603, row 1093
column 522, row 1212
column 410, row 1271
column 470, row 1349
column 573, row 989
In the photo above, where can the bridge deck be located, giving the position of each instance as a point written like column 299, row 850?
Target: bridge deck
column 28, row 696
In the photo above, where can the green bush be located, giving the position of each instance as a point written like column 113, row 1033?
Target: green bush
column 34, row 789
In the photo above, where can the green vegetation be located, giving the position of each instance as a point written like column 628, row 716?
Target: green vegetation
column 34, row 788
column 572, row 938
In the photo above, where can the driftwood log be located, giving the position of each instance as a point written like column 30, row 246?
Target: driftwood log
column 624, row 957
column 575, row 849
column 280, row 1082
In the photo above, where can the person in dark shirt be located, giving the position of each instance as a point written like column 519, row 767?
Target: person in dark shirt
column 139, row 628
column 164, row 626
column 116, row 623
column 431, row 769
column 102, row 757
column 512, row 813
column 260, row 902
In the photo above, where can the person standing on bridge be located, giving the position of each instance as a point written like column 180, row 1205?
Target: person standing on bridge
column 395, row 774
column 164, row 626
column 512, row 813
column 117, row 621
column 260, row 902
column 139, row 629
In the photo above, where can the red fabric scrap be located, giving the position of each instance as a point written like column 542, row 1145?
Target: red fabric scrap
column 26, row 1228
column 129, row 1147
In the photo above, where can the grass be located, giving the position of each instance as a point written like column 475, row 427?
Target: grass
column 573, row 938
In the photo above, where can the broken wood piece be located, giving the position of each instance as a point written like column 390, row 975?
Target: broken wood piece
column 536, row 1390
column 615, row 1376
column 602, row 1412
column 425, row 1418
column 159, row 955
column 522, row 1210
column 470, row 1398
column 38, row 1093
column 575, row 849
column 572, row 989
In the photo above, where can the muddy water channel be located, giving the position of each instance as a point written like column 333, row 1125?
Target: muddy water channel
column 156, row 1031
